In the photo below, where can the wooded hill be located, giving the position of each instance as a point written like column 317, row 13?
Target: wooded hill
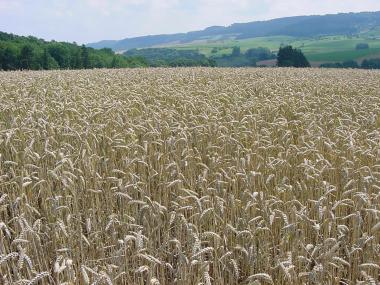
column 300, row 26
column 18, row 52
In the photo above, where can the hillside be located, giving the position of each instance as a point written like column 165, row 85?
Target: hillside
column 317, row 50
column 18, row 52
column 298, row 27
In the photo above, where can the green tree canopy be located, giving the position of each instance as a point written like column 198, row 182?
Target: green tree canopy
column 9, row 59
column 26, row 57
column 289, row 57
column 17, row 52
column 236, row 51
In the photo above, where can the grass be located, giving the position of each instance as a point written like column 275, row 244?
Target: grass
column 225, row 46
column 329, row 49
column 344, row 55
column 190, row 176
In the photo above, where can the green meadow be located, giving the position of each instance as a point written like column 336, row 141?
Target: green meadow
column 320, row 49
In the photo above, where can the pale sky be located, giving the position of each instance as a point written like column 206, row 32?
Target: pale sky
column 87, row 21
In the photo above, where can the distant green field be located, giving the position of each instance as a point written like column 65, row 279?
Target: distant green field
column 339, row 56
column 322, row 49
column 225, row 46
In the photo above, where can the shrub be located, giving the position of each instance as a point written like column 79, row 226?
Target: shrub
column 360, row 46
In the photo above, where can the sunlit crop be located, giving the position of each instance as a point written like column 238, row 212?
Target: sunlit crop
column 190, row 176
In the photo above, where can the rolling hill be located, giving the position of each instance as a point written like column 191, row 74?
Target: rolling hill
column 300, row 27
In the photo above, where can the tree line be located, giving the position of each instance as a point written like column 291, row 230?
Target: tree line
column 18, row 52
column 30, row 53
column 290, row 57
column 372, row 63
column 170, row 57
column 237, row 58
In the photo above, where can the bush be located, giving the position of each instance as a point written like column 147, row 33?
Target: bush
column 331, row 65
column 362, row 46
column 350, row 64
column 236, row 51
column 373, row 63
column 259, row 53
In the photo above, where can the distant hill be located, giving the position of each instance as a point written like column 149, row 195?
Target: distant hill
column 300, row 26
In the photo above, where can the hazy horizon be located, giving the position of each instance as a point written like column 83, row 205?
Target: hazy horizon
column 85, row 21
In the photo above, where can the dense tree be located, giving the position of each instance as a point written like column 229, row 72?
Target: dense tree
column 61, row 53
column 85, row 57
column 77, row 60
column 373, row 63
column 350, row 64
column 9, row 59
column 1, row 57
column 331, row 65
column 45, row 59
column 171, row 57
column 114, row 62
column 299, row 59
column 239, row 59
column 236, row 51
column 285, row 57
column 289, row 57
column 18, row 52
column 48, row 62
column 26, row 57
column 259, row 53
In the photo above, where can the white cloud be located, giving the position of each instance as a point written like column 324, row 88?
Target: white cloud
column 92, row 20
column 6, row 5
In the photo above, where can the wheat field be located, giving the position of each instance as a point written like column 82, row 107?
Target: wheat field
column 190, row 176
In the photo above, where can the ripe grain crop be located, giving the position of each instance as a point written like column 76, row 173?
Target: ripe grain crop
column 190, row 176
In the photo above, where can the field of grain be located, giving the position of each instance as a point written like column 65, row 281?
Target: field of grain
column 190, row 176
